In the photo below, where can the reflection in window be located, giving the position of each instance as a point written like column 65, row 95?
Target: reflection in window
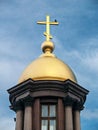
column 44, row 125
column 52, row 125
column 44, row 110
column 52, row 110
column 48, row 117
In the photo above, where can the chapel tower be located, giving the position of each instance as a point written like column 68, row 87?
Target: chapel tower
column 47, row 96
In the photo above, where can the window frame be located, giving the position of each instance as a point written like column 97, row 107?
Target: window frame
column 48, row 118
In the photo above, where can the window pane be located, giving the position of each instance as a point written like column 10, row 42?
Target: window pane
column 44, row 125
column 52, row 125
column 44, row 111
column 52, row 111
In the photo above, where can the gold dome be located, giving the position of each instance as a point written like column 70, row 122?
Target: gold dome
column 48, row 67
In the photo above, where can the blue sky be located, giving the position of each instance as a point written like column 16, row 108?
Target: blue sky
column 76, row 43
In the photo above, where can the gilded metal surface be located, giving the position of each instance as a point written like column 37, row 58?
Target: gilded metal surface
column 48, row 23
column 48, row 67
column 48, row 45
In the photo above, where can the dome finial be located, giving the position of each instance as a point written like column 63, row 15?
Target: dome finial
column 47, row 33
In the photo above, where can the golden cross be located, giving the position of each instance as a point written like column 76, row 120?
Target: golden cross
column 48, row 23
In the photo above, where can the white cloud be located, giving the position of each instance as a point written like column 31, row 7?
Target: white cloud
column 7, row 124
column 86, row 56
column 89, row 56
column 91, row 61
column 90, row 114
column 10, row 72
